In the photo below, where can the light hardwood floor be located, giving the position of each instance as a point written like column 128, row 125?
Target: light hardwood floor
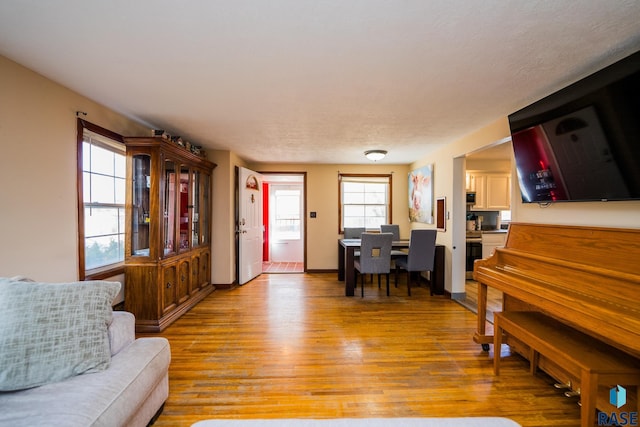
column 494, row 299
column 293, row 346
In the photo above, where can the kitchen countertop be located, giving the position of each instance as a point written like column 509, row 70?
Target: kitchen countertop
column 476, row 235
column 494, row 231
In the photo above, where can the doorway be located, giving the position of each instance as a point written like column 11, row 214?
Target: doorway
column 284, row 223
column 487, row 211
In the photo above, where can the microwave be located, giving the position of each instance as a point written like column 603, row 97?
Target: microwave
column 471, row 198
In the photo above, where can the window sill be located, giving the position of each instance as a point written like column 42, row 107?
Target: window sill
column 104, row 272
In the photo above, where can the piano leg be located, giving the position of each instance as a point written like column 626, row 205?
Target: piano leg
column 480, row 336
column 588, row 398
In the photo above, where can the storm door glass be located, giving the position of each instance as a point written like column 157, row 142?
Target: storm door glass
column 169, row 226
column 140, row 219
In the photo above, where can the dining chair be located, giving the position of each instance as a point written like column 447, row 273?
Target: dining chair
column 375, row 257
column 422, row 251
column 353, row 232
column 395, row 230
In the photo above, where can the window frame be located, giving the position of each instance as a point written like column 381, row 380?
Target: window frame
column 389, row 200
column 111, row 269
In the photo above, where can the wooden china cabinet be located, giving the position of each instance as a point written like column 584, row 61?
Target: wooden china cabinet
column 168, row 228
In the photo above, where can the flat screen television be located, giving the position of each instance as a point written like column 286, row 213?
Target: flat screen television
column 582, row 143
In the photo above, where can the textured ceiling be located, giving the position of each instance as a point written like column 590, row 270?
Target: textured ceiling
column 317, row 81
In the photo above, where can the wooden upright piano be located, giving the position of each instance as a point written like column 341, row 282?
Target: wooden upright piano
column 588, row 278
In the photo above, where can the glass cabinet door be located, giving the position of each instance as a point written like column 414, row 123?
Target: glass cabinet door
column 140, row 220
column 169, row 209
column 195, row 211
column 184, row 201
column 205, row 209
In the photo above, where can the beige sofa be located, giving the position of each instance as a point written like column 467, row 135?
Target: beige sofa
column 131, row 391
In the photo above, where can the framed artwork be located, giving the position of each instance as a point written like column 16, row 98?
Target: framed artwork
column 421, row 195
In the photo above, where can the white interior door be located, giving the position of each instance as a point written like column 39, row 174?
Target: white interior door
column 249, row 225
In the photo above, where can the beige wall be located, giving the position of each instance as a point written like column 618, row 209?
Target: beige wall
column 488, row 165
column 449, row 182
column 38, row 215
column 322, row 198
column 38, row 183
column 223, row 265
column 604, row 214
column 38, row 219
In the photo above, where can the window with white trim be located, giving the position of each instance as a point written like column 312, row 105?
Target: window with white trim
column 102, row 219
column 365, row 201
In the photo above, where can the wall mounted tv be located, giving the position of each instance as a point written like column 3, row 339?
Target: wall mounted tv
column 582, row 143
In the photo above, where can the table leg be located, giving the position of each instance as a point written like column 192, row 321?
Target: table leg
column 341, row 255
column 349, row 272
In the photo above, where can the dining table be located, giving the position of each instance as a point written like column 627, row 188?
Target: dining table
column 346, row 270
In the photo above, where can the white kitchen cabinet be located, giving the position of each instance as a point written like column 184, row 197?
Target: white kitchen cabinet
column 480, row 188
column 491, row 241
column 498, row 192
column 471, row 182
column 493, row 190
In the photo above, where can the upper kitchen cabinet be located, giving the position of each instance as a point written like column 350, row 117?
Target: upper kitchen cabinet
column 493, row 190
column 168, row 228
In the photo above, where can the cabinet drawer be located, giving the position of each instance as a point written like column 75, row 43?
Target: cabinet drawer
column 494, row 238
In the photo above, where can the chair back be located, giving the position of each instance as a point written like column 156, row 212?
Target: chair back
column 422, row 250
column 375, row 253
column 353, row 232
column 391, row 228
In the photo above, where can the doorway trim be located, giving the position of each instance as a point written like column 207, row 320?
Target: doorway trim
column 266, row 175
column 458, row 264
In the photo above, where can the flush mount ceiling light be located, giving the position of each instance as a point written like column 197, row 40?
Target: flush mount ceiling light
column 375, row 155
